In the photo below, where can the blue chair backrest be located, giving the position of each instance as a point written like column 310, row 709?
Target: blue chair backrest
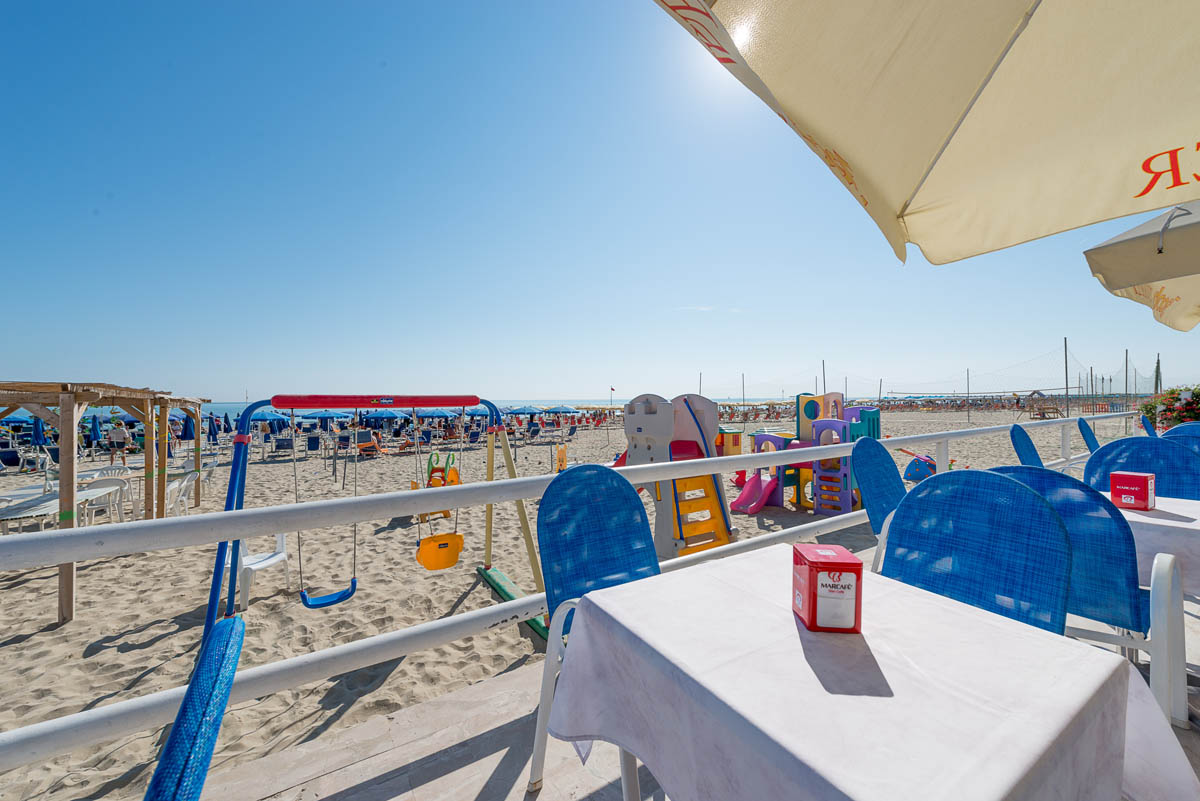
column 1191, row 426
column 314, row 443
column 10, row 458
column 1189, row 437
column 878, row 479
column 426, row 436
column 283, row 443
column 1026, row 451
column 1146, row 424
column 1104, row 568
column 592, row 533
column 53, row 451
column 1089, row 436
column 571, row 431
column 986, row 540
column 473, row 437
column 1176, row 468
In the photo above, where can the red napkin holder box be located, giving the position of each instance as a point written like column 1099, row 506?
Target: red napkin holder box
column 827, row 587
column 1131, row 490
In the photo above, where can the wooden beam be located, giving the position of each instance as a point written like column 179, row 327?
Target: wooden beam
column 9, row 410
column 148, row 452
column 66, row 501
column 48, row 416
column 164, row 420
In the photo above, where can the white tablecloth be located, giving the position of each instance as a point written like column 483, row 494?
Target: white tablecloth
column 1172, row 527
column 707, row 676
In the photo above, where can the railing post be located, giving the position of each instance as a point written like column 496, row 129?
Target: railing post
column 1065, row 448
column 943, row 455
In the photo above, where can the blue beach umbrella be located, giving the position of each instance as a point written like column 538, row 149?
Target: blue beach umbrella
column 16, row 420
column 189, row 428
column 212, row 429
column 39, row 432
column 561, row 410
column 478, row 411
column 428, row 413
column 227, row 425
column 387, row 414
column 95, row 429
column 129, row 419
column 524, row 410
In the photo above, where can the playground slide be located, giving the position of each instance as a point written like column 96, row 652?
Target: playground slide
column 754, row 496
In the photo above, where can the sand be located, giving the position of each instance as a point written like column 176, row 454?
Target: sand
column 139, row 617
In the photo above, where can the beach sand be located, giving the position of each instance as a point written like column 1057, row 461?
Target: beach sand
column 139, row 617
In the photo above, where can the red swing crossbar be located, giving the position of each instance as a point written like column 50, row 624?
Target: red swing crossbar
column 371, row 401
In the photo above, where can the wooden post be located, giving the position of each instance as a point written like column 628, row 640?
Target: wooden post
column 148, row 452
column 194, row 413
column 68, row 423
column 160, row 486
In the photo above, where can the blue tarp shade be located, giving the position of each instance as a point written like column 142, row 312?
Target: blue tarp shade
column 176, row 414
column 16, row 420
column 524, row 410
column 427, row 413
column 561, row 410
column 189, row 428
column 39, row 432
column 129, row 419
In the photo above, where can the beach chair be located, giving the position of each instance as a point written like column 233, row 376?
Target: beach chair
column 1089, row 436
column 473, row 437
column 1026, row 451
column 426, row 436
column 179, row 492
column 1176, row 468
column 1187, row 435
column 532, row 432
column 1104, row 583
column 113, row 504
column 1146, row 424
column 593, row 533
column 281, row 446
column 11, row 459
column 571, row 431
column 253, row 563
column 880, row 486
column 986, row 540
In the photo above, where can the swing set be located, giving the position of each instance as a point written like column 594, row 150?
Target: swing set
column 434, row 551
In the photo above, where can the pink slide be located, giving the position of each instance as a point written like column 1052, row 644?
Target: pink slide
column 754, row 495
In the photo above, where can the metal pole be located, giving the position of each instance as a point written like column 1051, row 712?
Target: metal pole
column 743, row 403
column 1127, row 405
column 880, row 401
column 1066, row 379
column 824, row 386
column 968, row 394
column 700, row 389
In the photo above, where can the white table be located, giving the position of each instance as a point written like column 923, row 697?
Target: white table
column 46, row 505
column 1173, row 526
column 707, row 676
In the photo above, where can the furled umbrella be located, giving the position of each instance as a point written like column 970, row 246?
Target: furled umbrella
column 189, row 428
column 39, row 433
column 228, row 427
column 94, row 430
column 213, row 425
column 1156, row 264
column 966, row 130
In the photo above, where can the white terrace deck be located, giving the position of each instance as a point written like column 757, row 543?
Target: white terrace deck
column 473, row 745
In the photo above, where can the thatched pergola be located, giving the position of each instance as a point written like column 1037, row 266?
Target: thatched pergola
column 62, row 404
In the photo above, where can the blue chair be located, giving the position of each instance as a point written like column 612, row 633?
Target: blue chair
column 986, row 540
column 1187, row 435
column 183, row 763
column 1104, row 582
column 592, row 533
column 1176, row 468
column 879, row 484
column 11, row 458
column 1146, row 424
column 1026, row 451
column 1089, row 436
column 473, row 437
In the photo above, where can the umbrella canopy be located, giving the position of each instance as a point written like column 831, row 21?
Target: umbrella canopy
column 478, row 411
column 561, row 410
column 39, row 433
column 226, row 426
column 387, row 414
column 969, row 132
column 128, row 419
column 427, row 413
column 326, row 414
column 267, row 416
column 1156, row 264
column 16, row 420
column 189, row 428
column 524, row 410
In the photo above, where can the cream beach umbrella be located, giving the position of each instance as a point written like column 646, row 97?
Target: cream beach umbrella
column 966, row 127
column 1156, row 264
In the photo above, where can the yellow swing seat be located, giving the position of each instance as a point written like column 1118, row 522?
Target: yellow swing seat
column 439, row 551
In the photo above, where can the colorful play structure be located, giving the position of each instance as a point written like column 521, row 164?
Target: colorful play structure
column 689, row 513
column 825, row 486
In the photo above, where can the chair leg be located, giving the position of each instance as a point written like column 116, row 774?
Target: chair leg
column 554, row 654
column 247, row 577
column 631, row 788
column 1168, row 658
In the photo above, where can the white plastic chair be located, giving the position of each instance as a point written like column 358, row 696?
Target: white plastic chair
column 110, row 502
column 183, row 496
column 253, row 563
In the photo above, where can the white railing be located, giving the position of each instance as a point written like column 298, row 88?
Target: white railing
column 43, row 740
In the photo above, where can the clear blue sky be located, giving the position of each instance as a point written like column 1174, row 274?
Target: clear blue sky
column 530, row 201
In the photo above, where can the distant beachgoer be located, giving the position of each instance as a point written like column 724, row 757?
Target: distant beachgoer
column 118, row 440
